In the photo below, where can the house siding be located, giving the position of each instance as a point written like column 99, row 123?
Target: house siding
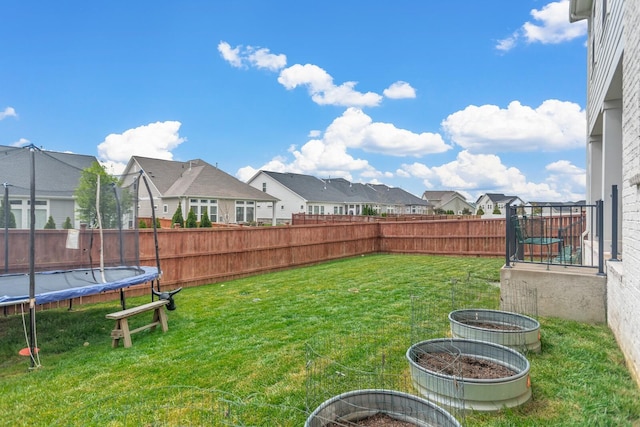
column 59, row 210
column 604, row 54
column 288, row 205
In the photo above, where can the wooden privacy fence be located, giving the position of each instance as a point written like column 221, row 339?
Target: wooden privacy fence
column 196, row 256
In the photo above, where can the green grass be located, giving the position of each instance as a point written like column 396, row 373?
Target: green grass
column 266, row 350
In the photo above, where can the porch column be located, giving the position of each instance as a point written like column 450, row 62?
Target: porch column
column 611, row 166
column 594, row 175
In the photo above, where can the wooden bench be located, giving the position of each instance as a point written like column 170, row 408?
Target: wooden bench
column 121, row 329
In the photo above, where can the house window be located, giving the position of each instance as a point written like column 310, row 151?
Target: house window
column 245, row 211
column 200, row 206
column 165, row 208
column 264, row 187
column 22, row 213
column 310, row 210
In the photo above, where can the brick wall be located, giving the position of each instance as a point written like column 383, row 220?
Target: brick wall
column 623, row 279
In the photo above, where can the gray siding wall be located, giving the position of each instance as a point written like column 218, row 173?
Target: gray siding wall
column 605, row 51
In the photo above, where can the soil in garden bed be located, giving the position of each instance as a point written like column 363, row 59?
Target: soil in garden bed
column 377, row 420
column 460, row 365
column 491, row 325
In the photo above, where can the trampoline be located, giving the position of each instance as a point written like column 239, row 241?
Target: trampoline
column 48, row 266
column 52, row 286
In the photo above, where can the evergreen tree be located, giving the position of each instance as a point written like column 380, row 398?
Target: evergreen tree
column 177, row 217
column 192, row 221
column 51, row 224
column 12, row 218
column 142, row 223
column 480, row 211
column 205, row 221
column 67, row 224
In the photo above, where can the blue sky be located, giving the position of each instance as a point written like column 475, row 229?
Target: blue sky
column 469, row 96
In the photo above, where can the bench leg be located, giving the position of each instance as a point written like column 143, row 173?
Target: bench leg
column 160, row 316
column 124, row 327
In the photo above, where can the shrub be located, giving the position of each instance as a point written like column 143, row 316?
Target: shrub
column 177, row 218
column 51, row 224
column 192, row 221
column 205, row 221
column 67, row 224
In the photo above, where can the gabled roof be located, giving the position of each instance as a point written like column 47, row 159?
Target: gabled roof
column 339, row 190
column 441, row 196
column 56, row 174
column 196, row 178
column 308, row 187
column 498, row 198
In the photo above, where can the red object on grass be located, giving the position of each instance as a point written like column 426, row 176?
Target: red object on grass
column 27, row 351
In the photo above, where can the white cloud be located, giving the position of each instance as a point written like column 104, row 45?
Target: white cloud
column 314, row 133
column 262, row 58
column 355, row 129
column 330, row 155
column 551, row 26
column 240, row 56
column 399, row 90
column 554, row 25
column 569, row 179
column 154, row 140
column 232, row 56
column 322, row 89
column 21, row 142
column 508, row 43
column 480, row 173
column 553, row 126
column 8, row 112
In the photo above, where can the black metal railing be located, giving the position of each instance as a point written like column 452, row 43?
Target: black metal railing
column 555, row 234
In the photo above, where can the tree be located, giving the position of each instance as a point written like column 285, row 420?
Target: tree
column 496, row 211
column 51, row 224
column 67, row 224
column 466, row 211
column 192, row 221
column 480, row 211
column 177, row 217
column 12, row 218
column 86, row 197
column 205, row 221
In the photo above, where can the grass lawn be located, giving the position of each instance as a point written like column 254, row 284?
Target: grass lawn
column 266, row 350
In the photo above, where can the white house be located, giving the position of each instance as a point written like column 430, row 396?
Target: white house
column 448, row 201
column 490, row 202
column 298, row 193
column 613, row 153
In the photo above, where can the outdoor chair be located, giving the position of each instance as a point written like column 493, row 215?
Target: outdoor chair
column 532, row 232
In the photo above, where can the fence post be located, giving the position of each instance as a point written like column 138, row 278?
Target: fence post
column 600, row 231
column 508, row 236
column 614, row 223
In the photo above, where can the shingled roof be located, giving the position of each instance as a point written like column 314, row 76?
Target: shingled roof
column 56, row 174
column 340, row 190
column 196, row 178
